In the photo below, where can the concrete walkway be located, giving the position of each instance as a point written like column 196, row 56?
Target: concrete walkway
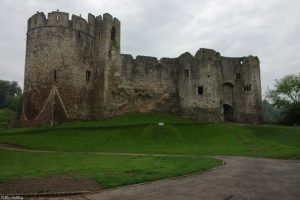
column 240, row 179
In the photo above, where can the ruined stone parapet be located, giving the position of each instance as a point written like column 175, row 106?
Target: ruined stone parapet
column 207, row 54
column 77, row 23
column 61, row 19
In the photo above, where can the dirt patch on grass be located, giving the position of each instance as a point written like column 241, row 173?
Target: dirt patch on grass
column 48, row 184
column 15, row 147
column 4, row 145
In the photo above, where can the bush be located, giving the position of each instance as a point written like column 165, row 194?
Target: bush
column 291, row 116
column 11, row 102
column 270, row 113
column 6, row 115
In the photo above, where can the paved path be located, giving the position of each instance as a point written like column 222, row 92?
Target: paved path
column 240, row 179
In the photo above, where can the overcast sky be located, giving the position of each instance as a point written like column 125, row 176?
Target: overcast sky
column 269, row 29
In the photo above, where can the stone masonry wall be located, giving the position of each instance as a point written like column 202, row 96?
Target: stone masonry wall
column 58, row 54
column 74, row 71
column 200, row 91
column 241, row 73
column 145, row 85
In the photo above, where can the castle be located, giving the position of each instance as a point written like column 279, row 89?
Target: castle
column 74, row 71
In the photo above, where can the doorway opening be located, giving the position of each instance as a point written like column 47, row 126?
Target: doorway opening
column 228, row 113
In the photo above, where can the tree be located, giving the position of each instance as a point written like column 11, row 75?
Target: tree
column 10, row 93
column 270, row 113
column 286, row 96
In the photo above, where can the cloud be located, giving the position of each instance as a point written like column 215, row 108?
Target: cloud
column 167, row 28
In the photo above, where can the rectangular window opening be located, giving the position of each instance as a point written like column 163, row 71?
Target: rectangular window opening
column 200, row 90
column 186, row 72
column 247, row 87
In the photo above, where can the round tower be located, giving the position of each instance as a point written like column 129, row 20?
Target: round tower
column 65, row 65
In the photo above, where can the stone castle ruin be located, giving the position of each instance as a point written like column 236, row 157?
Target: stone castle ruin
column 74, row 71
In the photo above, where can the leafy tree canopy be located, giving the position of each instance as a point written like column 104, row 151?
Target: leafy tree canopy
column 10, row 93
column 270, row 114
column 286, row 96
column 286, row 92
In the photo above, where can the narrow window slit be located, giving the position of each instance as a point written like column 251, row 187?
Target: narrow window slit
column 113, row 34
column 54, row 76
column 88, row 75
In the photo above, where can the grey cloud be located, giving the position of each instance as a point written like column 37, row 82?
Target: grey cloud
column 167, row 28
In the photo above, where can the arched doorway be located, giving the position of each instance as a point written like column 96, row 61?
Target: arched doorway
column 228, row 113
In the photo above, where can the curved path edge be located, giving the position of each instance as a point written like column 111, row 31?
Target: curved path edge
column 241, row 178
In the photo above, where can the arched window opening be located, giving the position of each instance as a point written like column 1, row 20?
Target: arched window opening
column 57, row 18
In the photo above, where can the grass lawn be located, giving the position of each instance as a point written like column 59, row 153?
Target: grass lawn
column 5, row 116
column 108, row 171
column 139, row 133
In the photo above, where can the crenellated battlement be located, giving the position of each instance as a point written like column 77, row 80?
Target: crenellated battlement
column 61, row 19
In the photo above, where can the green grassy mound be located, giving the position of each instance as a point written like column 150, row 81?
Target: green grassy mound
column 127, row 120
column 139, row 133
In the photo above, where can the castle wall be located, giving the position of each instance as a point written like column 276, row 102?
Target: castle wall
column 251, row 111
column 109, row 65
column 74, row 70
column 199, row 90
column 58, row 55
column 232, row 77
column 145, row 85
column 242, row 73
